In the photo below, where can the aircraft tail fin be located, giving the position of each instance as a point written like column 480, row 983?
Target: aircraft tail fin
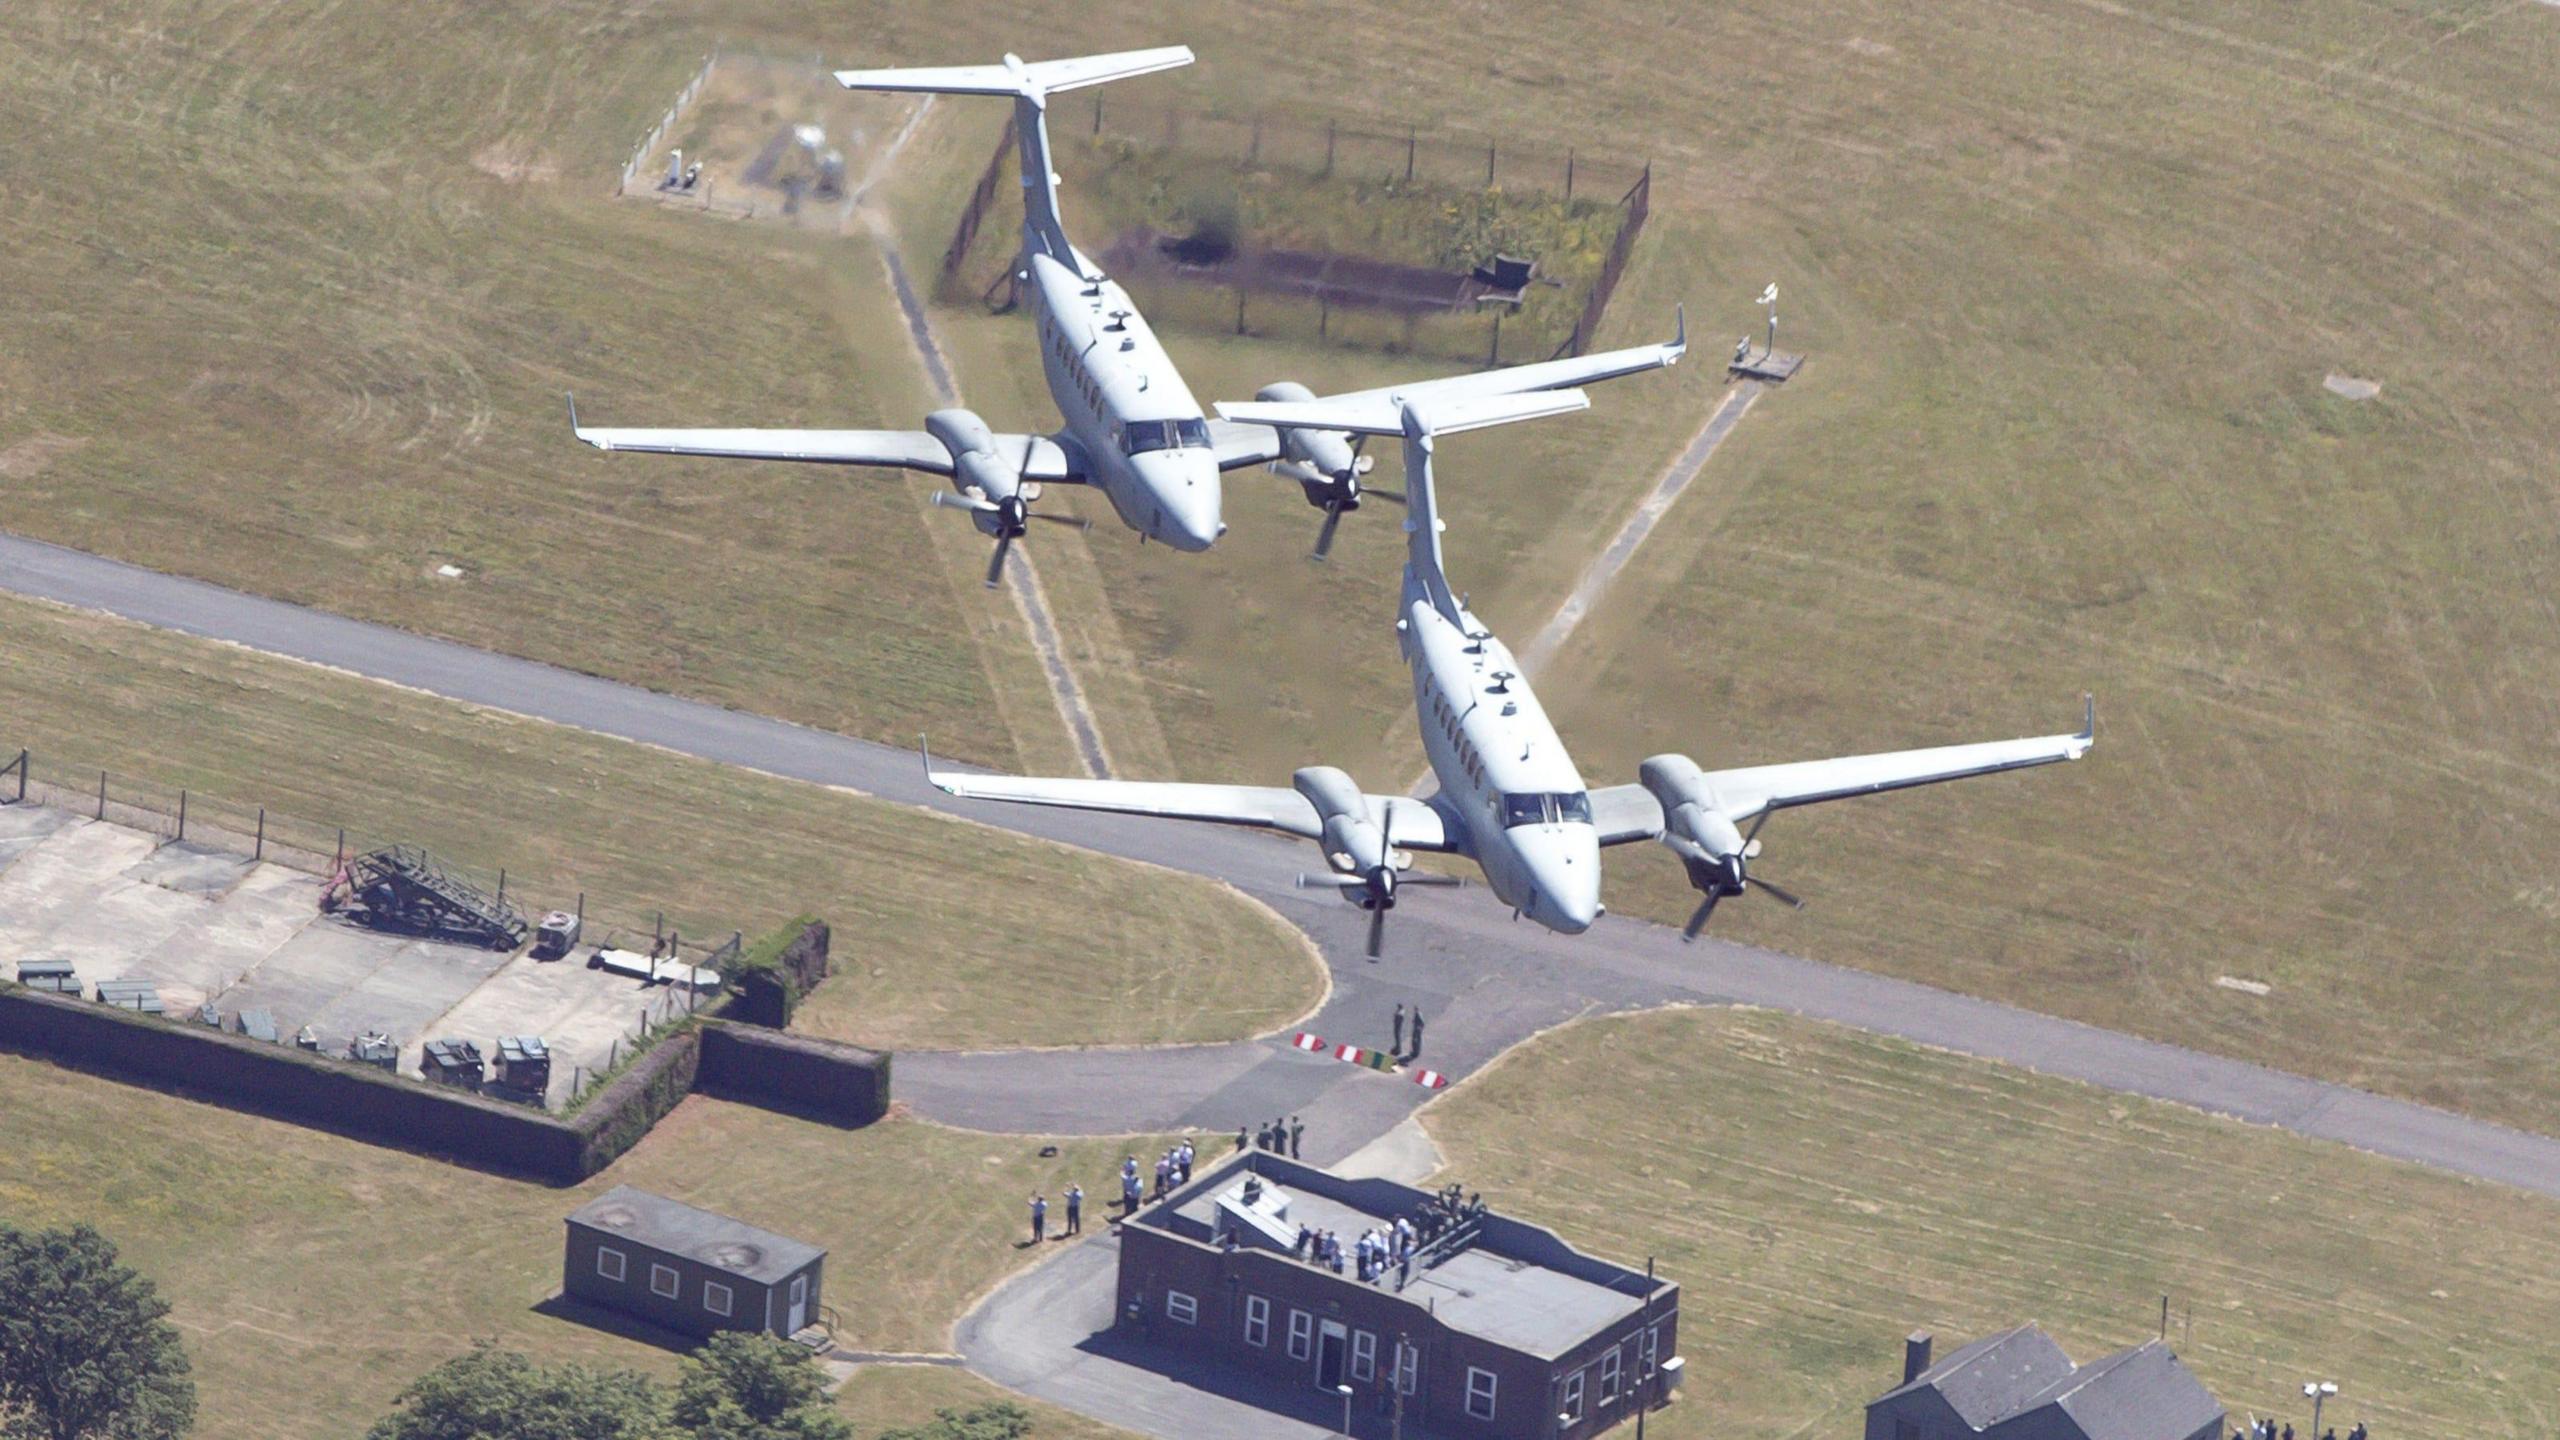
column 1389, row 415
column 1030, row 84
column 1419, row 424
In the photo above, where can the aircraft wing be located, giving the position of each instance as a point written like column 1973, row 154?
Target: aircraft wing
column 1261, row 807
column 1037, row 456
column 1240, row 443
column 1628, row 812
column 1625, row 813
column 1543, row 375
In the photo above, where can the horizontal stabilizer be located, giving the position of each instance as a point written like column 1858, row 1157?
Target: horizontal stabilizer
column 1392, row 415
column 1014, row 77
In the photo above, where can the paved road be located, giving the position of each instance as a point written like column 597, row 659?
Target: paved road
column 1484, row 982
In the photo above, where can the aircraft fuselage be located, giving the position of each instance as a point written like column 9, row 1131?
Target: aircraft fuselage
column 1142, row 439
column 1513, row 798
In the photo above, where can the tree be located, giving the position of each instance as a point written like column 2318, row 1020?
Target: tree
column 754, row 1387
column 85, row 1353
column 997, row 1420
column 494, row 1394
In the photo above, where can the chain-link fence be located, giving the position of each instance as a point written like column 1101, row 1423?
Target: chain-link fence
column 1460, row 196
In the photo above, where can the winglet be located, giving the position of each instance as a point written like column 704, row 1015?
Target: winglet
column 2089, row 717
column 573, row 423
column 1679, row 330
column 925, row 749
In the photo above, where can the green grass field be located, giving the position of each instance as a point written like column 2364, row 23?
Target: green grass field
column 931, row 915
column 1819, row 1193
column 312, row 1277
column 300, row 285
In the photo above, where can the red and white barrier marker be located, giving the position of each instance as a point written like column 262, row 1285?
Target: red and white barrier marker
column 1380, row 1060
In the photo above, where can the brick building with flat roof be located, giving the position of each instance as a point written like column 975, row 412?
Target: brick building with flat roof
column 1497, row 1328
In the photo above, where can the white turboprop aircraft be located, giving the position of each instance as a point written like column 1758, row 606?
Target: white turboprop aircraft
column 1509, row 796
column 1132, row 429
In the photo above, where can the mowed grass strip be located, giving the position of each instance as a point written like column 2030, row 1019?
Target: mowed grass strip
column 938, row 923
column 313, row 1277
column 1819, row 1193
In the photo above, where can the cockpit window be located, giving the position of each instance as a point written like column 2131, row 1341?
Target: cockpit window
column 1137, row 437
column 1572, row 809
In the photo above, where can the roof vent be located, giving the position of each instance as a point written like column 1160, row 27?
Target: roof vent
column 615, row 1217
column 736, row 1255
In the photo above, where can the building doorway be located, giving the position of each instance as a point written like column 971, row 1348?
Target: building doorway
column 1333, row 1340
column 799, row 1305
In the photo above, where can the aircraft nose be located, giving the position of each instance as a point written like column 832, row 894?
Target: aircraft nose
column 1188, row 488
column 1567, row 866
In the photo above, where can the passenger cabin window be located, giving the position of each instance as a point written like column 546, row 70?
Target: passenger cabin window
column 1569, row 809
column 1137, row 437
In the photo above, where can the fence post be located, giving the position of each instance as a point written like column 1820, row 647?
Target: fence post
column 502, row 884
column 1097, row 112
column 341, row 861
column 1493, row 356
column 261, row 852
column 182, row 814
column 102, row 794
column 1488, row 165
column 1328, row 148
column 1568, row 174
column 1239, row 309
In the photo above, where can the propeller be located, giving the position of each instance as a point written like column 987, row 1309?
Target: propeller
column 1347, row 493
column 1741, row 879
column 1013, row 514
column 1381, row 882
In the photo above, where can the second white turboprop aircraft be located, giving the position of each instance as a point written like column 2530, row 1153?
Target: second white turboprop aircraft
column 1133, row 430
column 1509, row 797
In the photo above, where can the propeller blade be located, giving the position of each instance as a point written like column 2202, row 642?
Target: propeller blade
column 1381, row 492
column 1076, row 521
column 1324, row 535
column 949, row 501
column 1427, row 877
column 1698, row 918
column 1774, row 891
column 1754, row 833
column 995, row 566
column 1377, row 930
column 1333, row 882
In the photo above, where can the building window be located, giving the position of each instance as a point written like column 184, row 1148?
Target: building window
column 1302, row 1335
column 1257, row 1321
column 1364, row 1355
column 1652, row 1346
column 1408, row 1367
column 1573, row 1397
column 715, row 1298
column 1610, row 1365
column 663, row 1280
column 609, row 1262
column 1181, row 1307
column 1479, row 1393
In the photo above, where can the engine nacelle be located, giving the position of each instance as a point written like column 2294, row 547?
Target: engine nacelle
column 1353, row 843
column 976, row 464
column 1321, row 461
column 1694, row 827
